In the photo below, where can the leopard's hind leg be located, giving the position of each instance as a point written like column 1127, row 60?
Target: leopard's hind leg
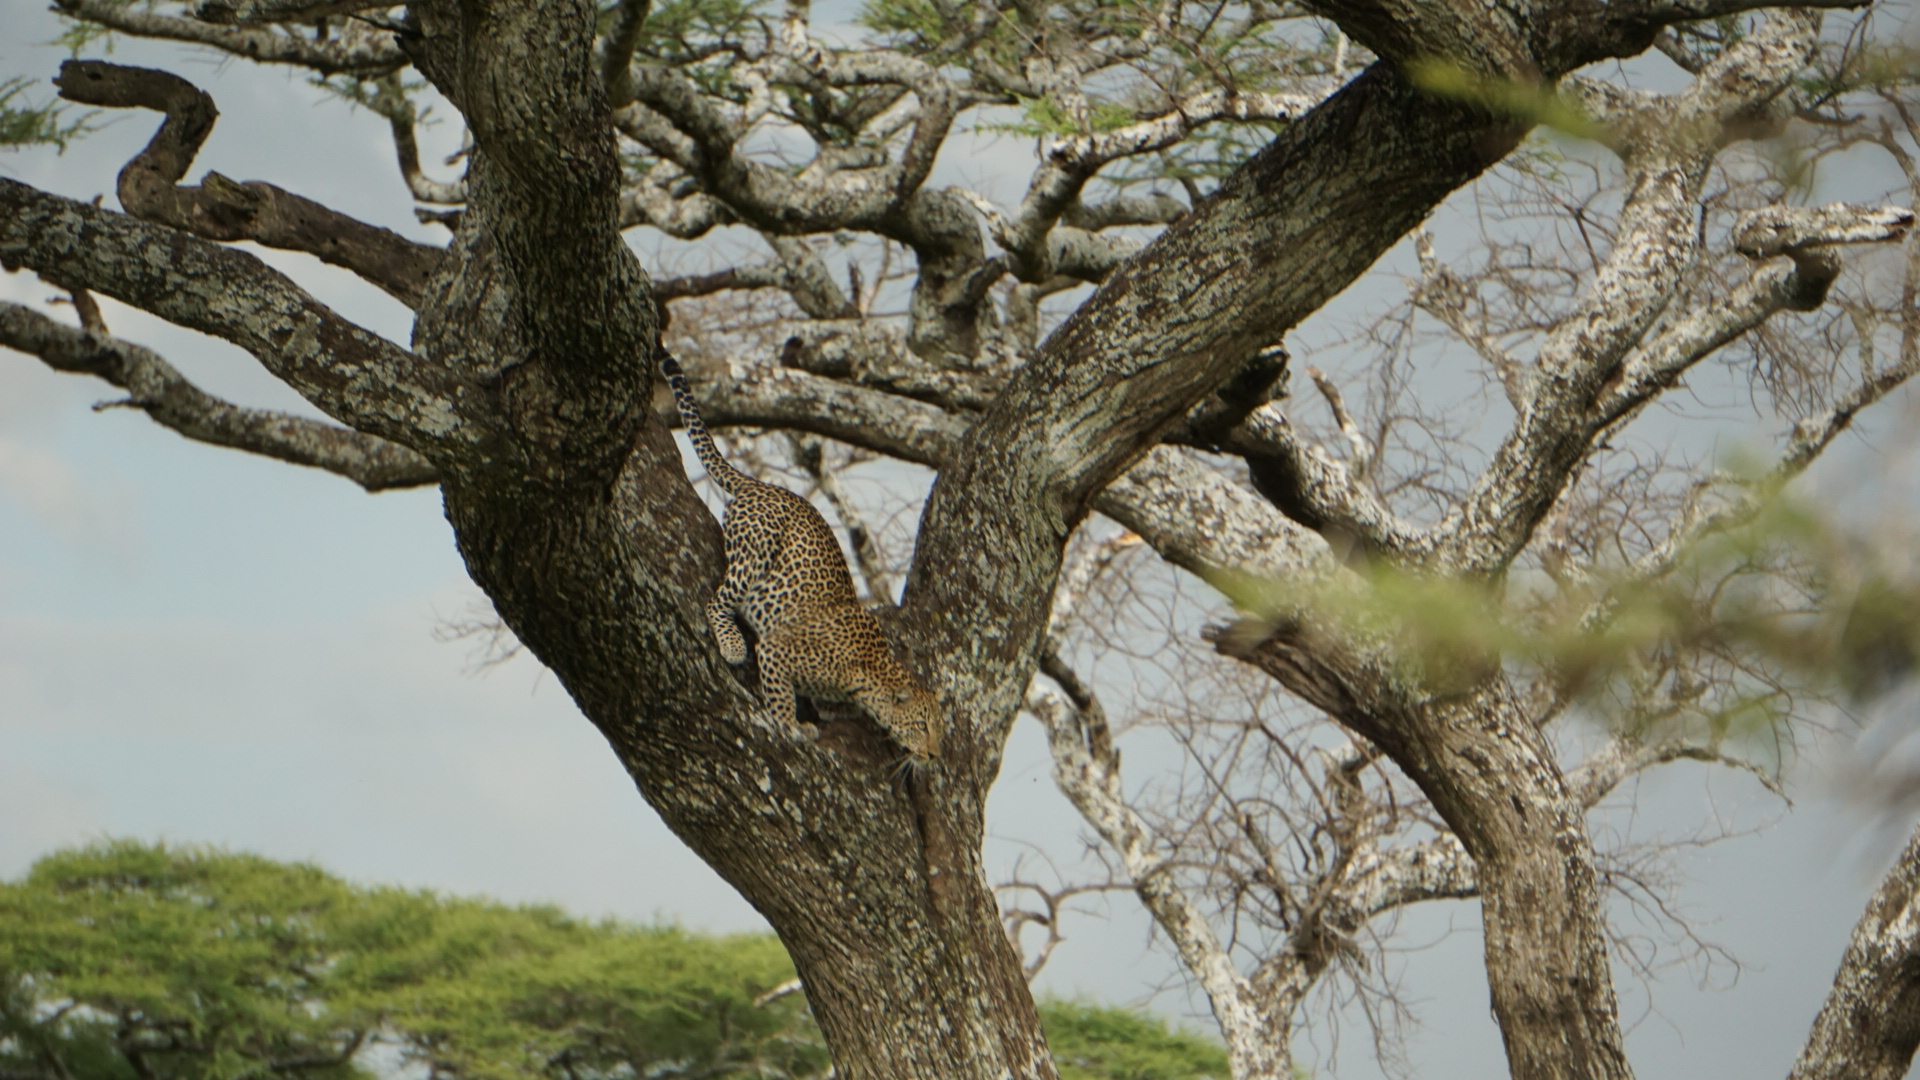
column 726, row 632
column 781, row 706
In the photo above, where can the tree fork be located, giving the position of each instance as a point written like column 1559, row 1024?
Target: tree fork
column 908, row 971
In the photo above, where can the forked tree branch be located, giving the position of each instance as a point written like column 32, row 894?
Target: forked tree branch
column 1800, row 285
column 1671, row 147
column 1280, row 238
column 1317, row 490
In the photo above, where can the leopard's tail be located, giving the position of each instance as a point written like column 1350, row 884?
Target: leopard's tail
column 730, row 479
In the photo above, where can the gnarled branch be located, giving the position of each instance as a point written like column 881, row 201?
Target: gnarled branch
column 221, row 209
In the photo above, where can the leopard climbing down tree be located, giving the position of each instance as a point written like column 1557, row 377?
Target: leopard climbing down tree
column 788, row 579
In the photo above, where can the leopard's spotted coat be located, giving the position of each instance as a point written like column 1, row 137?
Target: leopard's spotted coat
column 787, row 578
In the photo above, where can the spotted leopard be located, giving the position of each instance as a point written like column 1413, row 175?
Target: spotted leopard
column 788, row 580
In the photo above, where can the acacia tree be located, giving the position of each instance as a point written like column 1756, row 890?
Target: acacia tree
column 1306, row 142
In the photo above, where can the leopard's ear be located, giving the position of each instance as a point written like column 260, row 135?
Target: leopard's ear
column 902, row 694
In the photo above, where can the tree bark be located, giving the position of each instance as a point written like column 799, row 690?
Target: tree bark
column 1870, row 1024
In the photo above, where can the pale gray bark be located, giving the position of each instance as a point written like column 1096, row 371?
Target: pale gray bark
column 352, row 374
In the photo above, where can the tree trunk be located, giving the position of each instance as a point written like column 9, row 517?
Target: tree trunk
column 529, row 393
column 1490, row 773
column 1493, row 777
column 575, row 515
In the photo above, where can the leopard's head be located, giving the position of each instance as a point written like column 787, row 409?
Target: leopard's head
column 915, row 720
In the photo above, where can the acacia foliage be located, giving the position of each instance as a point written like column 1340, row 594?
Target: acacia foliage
column 132, row 961
column 23, row 123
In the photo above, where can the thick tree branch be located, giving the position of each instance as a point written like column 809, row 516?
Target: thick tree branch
column 1153, row 209
column 1487, row 41
column 1313, row 488
column 652, row 201
column 769, row 275
column 1437, row 869
column 1283, row 235
column 805, row 277
column 295, row 11
column 353, row 375
column 158, row 388
column 790, row 398
column 1798, row 286
column 613, row 53
column 1200, row 521
column 544, row 153
column 1574, row 35
column 877, row 355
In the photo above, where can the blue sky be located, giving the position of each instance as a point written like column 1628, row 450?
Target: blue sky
column 202, row 646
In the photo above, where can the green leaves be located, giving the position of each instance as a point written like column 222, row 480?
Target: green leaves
column 35, row 125
column 176, row 963
column 196, row 963
column 129, row 961
column 1763, row 608
column 691, row 31
column 1094, row 1043
column 1536, row 105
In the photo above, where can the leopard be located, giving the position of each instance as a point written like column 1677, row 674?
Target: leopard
column 787, row 581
